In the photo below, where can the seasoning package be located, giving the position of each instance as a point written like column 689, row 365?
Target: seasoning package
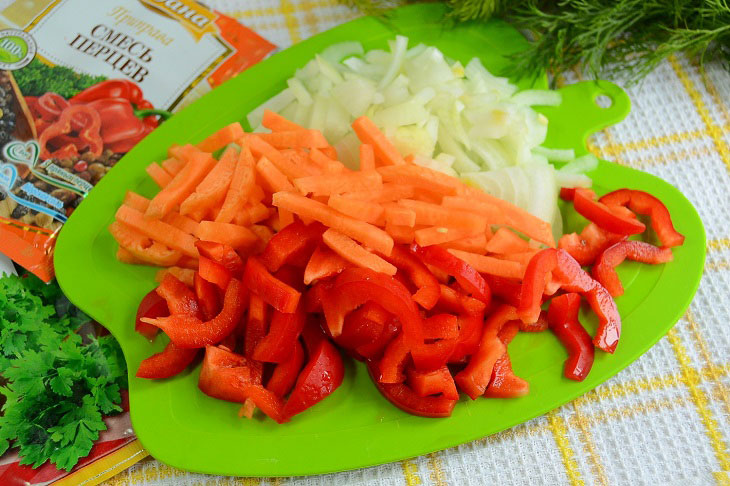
column 80, row 84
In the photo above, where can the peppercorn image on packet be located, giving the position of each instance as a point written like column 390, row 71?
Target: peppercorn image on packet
column 80, row 84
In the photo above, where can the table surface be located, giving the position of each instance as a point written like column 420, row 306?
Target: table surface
column 663, row 420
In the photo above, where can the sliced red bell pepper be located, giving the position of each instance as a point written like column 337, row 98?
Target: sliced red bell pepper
column 292, row 276
column 267, row 401
column 187, row 331
column 394, row 361
column 506, row 289
column 574, row 279
column 285, row 374
column 403, row 397
column 207, row 296
column 539, row 325
column 180, row 299
column 214, row 273
column 294, row 245
column 586, row 247
column 312, row 298
column 504, row 382
column 604, row 269
column 441, row 326
column 355, row 286
column 442, row 335
column 323, row 263
column 171, row 361
column 563, row 319
column 373, row 349
column 470, row 333
column 568, row 193
column 273, row 291
column 438, row 381
column 428, row 286
column 363, row 326
column 284, row 330
column 533, row 284
column 223, row 373
column 151, row 307
column 644, row 203
column 256, row 325
column 474, row 379
column 321, row 376
column 597, row 212
column 222, row 254
column 451, row 300
column 465, row 274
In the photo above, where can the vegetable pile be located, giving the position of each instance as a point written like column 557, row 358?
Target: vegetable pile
column 277, row 255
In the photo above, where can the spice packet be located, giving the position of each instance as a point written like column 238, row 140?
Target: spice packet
column 80, row 84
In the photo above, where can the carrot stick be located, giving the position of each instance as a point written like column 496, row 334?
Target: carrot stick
column 330, row 152
column 472, row 244
column 401, row 234
column 141, row 203
column 328, row 184
column 365, row 233
column 491, row 265
column 221, row 138
column 399, row 216
column 136, row 201
column 326, row 164
column 323, row 263
column 421, row 178
column 142, row 247
column 251, row 214
column 263, row 233
column 212, row 189
column 172, row 166
column 367, row 157
column 242, row 185
column 388, row 192
column 363, row 210
column 125, row 256
column 277, row 123
column 436, row 235
column 196, row 168
column 261, row 148
column 157, row 230
column 369, row 133
column 285, row 218
column 185, row 275
column 522, row 257
column 348, row 249
column 506, row 241
column 158, row 174
column 295, row 139
column 435, row 215
column 230, row 234
column 272, row 176
column 188, row 262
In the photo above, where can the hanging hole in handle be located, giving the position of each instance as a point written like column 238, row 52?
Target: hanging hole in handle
column 603, row 101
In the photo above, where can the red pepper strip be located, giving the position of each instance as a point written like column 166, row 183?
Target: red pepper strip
column 438, row 381
column 393, row 361
column 278, row 344
column 533, row 284
column 319, row 378
column 190, row 332
column 214, row 273
column 151, row 307
column 222, row 374
column 473, row 379
column 355, row 286
column 428, row 286
column 390, row 330
column 568, row 193
column 222, row 254
column 563, row 319
column 50, row 105
column 267, row 401
column 89, row 133
column 604, row 269
column 292, row 276
column 286, row 373
column 504, row 382
column 171, row 361
column 363, row 326
column 322, row 264
column 506, row 289
column 586, row 247
column 294, row 245
column 538, row 326
column 403, row 397
column 599, row 213
column 441, row 326
column 451, row 300
column 575, row 279
column 257, row 325
column 207, row 297
column 180, row 299
column 644, row 203
column 470, row 333
column 272, row 290
column 313, row 296
column 465, row 274
column 433, row 355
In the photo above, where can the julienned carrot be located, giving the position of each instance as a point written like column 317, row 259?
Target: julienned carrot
column 328, row 184
column 322, row 264
column 472, row 244
column 506, row 241
column 401, row 234
column 365, row 233
column 348, row 249
column 172, row 166
column 277, row 123
column 157, row 230
column 196, row 168
column 240, row 188
column 158, row 174
column 367, row 157
column 251, row 214
column 263, row 233
column 260, row 147
column 228, row 134
column 399, row 216
column 142, row 247
column 295, row 139
column 422, row 178
column 491, row 265
column 330, row 152
column 141, row 203
column 522, row 257
column 370, row 134
column 363, row 210
column 285, row 217
column 435, row 215
column 185, row 275
column 324, row 163
column 212, row 189
column 136, row 201
column 272, row 176
column 436, row 235
column 230, row 234
column 125, row 256
column 189, row 262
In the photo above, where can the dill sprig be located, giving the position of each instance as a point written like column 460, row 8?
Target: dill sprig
column 606, row 37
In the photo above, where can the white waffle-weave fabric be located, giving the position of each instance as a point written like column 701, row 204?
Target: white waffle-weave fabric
column 665, row 420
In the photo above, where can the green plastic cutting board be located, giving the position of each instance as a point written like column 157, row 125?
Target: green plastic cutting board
column 355, row 427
